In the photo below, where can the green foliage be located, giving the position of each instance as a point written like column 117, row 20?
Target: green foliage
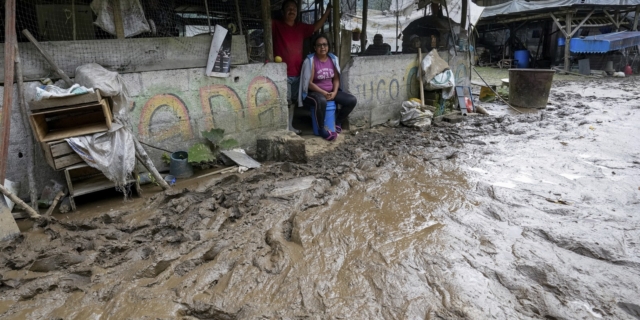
column 165, row 158
column 201, row 153
column 228, row 144
column 214, row 135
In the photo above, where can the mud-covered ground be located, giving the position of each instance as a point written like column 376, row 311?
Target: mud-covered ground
column 509, row 216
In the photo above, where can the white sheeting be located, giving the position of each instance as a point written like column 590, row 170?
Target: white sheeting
column 454, row 7
column 112, row 152
column 520, row 6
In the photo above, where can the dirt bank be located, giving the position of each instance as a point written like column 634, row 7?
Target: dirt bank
column 531, row 216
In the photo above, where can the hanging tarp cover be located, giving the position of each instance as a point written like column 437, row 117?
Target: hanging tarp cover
column 522, row 6
column 604, row 43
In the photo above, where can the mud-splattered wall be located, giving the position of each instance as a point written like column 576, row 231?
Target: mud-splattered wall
column 381, row 83
column 171, row 108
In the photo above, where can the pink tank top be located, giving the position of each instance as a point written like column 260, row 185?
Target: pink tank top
column 323, row 75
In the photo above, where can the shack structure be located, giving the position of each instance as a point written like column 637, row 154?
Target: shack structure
column 546, row 29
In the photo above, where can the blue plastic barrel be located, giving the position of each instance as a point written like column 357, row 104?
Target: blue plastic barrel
column 523, row 58
column 562, row 42
column 329, row 119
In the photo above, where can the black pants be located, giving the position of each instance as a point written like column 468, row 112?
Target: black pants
column 317, row 102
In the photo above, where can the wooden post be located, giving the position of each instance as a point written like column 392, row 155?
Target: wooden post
column 46, row 57
column 463, row 18
column 635, row 19
column 240, row 20
column 30, row 154
column 567, row 45
column 206, row 8
column 9, row 59
column 363, row 34
column 268, row 33
column 117, row 19
column 336, row 27
column 73, row 18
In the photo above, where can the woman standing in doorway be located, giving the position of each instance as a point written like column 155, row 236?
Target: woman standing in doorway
column 319, row 83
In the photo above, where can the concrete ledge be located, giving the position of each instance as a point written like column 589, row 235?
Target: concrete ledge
column 281, row 146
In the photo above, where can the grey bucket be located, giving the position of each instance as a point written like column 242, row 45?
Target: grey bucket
column 179, row 166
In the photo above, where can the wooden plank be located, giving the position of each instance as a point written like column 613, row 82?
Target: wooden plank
column 68, row 108
column 92, row 97
column 47, row 154
column 67, row 160
column 77, row 131
column 60, row 148
column 123, row 56
column 93, row 184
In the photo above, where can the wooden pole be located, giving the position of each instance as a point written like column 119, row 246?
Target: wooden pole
column 73, row 18
column 635, row 19
column 9, row 59
column 240, row 19
column 268, row 33
column 206, row 8
column 420, row 76
column 567, row 45
column 336, row 27
column 149, row 164
column 32, row 213
column 117, row 19
column 46, row 57
column 363, row 34
column 30, row 154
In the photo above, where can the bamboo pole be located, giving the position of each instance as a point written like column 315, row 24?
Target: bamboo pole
column 567, row 45
column 32, row 213
column 206, row 8
column 149, row 164
column 46, row 57
column 54, row 204
column 9, row 59
column 117, row 19
column 30, row 154
column 268, row 34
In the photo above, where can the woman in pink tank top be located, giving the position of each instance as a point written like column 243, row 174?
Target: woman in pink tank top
column 324, row 85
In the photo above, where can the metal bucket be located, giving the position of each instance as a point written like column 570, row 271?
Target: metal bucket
column 529, row 88
column 179, row 166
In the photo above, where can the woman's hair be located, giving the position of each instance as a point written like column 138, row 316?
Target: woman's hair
column 286, row 2
column 315, row 39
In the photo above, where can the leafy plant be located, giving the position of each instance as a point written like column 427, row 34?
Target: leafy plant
column 205, row 153
column 357, row 30
column 165, row 158
column 200, row 152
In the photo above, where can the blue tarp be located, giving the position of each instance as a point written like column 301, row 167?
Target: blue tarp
column 604, row 43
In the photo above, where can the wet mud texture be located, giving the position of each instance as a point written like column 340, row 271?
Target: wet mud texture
column 531, row 216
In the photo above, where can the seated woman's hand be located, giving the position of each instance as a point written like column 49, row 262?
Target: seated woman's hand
column 331, row 96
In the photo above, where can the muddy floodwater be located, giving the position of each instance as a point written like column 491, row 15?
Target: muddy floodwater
column 509, row 216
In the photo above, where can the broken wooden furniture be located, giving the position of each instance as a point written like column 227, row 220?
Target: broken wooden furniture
column 83, row 179
column 56, row 119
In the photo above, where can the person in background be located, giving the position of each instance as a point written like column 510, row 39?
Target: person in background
column 319, row 83
column 378, row 48
column 288, row 37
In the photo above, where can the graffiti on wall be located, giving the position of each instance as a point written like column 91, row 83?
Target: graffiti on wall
column 386, row 87
column 262, row 98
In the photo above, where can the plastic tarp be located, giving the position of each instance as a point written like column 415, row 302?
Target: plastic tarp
column 133, row 17
column 112, row 152
column 604, row 43
column 523, row 6
column 454, row 7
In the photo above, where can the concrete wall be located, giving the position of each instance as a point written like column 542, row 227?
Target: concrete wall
column 171, row 108
column 382, row 83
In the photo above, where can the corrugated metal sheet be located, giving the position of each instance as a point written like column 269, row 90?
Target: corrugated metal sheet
column 604, row 43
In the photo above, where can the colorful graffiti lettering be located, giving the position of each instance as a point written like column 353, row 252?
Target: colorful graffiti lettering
column 176, row 106
column 207, row 96
column 262, row 98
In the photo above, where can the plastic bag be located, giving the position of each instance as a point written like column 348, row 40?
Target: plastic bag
column 110, row 84
column 412, row 115
column 132, row 17
column 51, row 91
column 445, row 81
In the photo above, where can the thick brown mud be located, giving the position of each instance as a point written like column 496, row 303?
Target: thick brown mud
column 509, row 216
